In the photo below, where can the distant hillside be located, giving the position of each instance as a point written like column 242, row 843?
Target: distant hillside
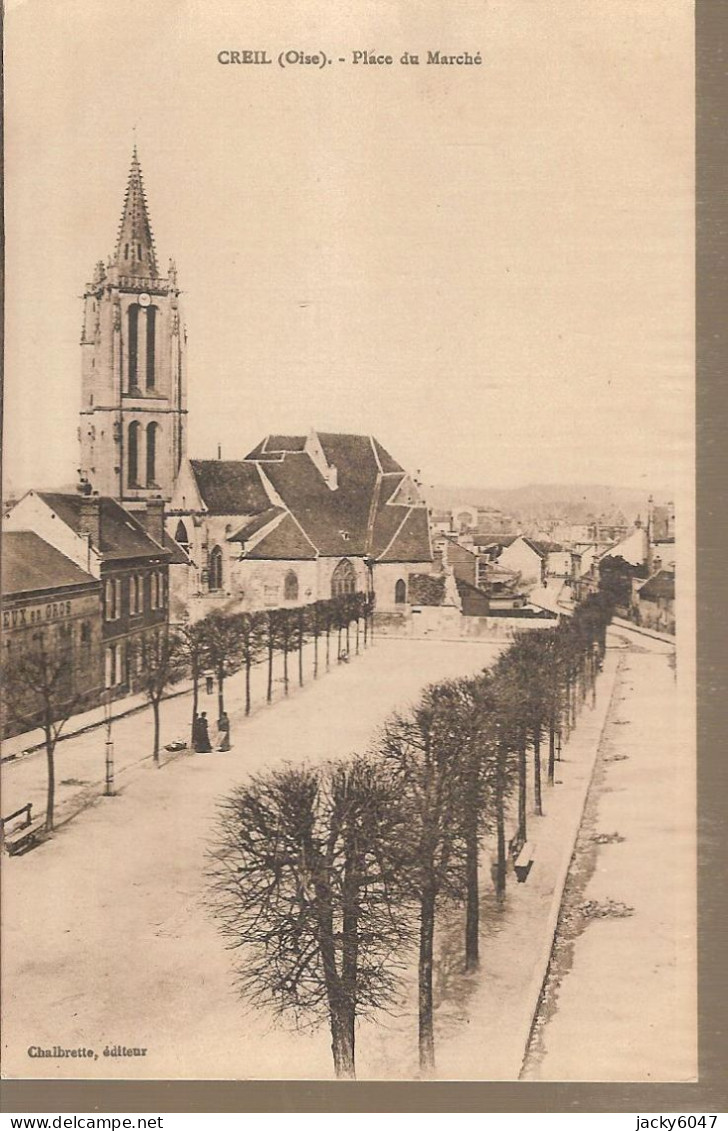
column 544, row 500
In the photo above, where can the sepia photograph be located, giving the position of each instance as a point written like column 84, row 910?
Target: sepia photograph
column 348, row 542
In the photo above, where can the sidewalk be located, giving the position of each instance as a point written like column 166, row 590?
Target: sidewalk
column 32, row 740
column 640, row 629
column 80, row 753
column 516, row 942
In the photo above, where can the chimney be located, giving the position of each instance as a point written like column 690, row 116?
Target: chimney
column 153, row 519
column 90, row 519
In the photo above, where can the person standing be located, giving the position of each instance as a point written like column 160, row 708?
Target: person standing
column 223, row 732
column 203, row 739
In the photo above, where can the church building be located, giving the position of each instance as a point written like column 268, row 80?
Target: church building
column 133, row 423
column 299, row 519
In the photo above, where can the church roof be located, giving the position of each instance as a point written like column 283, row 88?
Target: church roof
column 341, row 488
column 343, row 495
column 230, row 486
column 135, row 254
column 286, row 542
column 121, row 536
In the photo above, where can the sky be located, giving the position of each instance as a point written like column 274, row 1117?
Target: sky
column 488, row 267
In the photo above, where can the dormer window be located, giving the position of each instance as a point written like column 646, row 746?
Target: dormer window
column 344, row 534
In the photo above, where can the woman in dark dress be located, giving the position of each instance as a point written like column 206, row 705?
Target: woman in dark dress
column 202, row 745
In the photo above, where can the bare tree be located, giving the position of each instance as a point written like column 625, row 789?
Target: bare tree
column 223, row 646
column 251, row 631
column 424, row 755
column 193, row 648
column 164, row 659
column 38, row 691
column 305, row 882
column 286, row 637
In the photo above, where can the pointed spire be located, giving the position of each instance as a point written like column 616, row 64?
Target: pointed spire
column 135, row 253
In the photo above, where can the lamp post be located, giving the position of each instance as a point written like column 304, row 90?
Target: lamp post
column 108, row 747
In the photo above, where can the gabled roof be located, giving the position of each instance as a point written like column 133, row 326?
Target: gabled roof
column 411, row 542
column 177, row 554
column 344, row 494
column 30, row 564
column 660, row 586
column 494, row 539
column 121, row 535
column 251, row 526
column 286, row 542
column 230, row 486
column 543, row 548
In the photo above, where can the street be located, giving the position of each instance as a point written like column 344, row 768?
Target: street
column 107, row 939
column 620, row 998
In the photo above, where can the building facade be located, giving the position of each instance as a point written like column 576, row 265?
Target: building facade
column 125, row 553
column 49, row 606
column 300, row 519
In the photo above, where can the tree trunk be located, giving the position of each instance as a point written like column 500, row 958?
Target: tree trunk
column 342, row 1044
column 220, row 696
column 248, row 665
column 350, row 951
column 357, row 635
column 348, row 645
column 285, row 667
column 472, row 907
column 315, row 652
column 195, row 705
column 500, row 816
column 537, row 773
column 522, row 785
column 552, row 749
column 342, row 1036
column 426, row 1020
column 300, row 651
column 328, row 647
column 269, row 694
column 51, row 791
column 155, row 712
column 338, row 645
column 366, row 628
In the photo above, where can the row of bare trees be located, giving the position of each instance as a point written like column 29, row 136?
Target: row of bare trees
column 38, row 689
column 225, row 643
column 329, row 878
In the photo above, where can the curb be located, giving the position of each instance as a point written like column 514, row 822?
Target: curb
column 653, row 633
column 538, row 981
column 133, row 710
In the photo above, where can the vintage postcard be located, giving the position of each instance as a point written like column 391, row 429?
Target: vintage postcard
column 348, row 596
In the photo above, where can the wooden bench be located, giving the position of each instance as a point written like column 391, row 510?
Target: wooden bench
column 24, row 834
column 524, row 862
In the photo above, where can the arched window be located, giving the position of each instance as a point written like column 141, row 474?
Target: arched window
column 181, row 536
column 290, row 587
column 151, row 326
column 215, row 571
column 343, row 579
column 133, row 349
column 152, row 430
column 400, row 592
column 132, row 475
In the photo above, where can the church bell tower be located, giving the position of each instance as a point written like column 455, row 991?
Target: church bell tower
column 133, row 420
